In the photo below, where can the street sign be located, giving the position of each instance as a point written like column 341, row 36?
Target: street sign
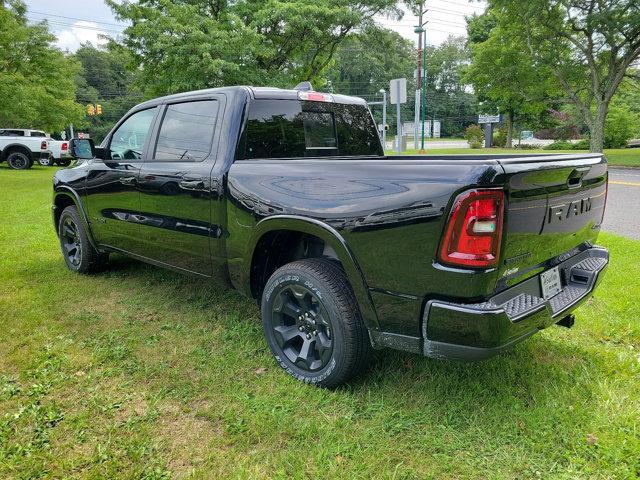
column 436, row 129
column 484, row 118
column 398, row 90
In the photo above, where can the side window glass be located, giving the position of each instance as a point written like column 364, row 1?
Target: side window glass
column 187, row 131
column 128, row 141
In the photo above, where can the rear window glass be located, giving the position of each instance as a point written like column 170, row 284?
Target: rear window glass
column 293, row 129
column 38, row 134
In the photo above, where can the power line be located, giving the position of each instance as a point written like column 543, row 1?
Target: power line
column 76, row 18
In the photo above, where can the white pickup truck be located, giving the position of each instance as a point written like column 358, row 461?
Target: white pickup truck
column 21, row 147
column 59, row 150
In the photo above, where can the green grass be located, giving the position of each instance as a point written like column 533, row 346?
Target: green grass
column 629, row 157
column 142, row 373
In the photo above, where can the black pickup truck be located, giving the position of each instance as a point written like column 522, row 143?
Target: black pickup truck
column 288, row 195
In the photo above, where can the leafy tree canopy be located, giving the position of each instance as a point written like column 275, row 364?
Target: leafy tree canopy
column 106, row 79
column 588, row 45
column 502, row 73
column 37, row 87
column 189, row 44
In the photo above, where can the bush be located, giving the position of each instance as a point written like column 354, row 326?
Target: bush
column 559, row 145
column 619, row 127
column 500, row 138
column 474, row 136
column 526, row 146
column 582, row 144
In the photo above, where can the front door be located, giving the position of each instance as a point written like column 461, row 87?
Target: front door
column 176, row 189
column 113, row 200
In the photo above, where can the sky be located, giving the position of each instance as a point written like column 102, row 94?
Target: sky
column 78, row 21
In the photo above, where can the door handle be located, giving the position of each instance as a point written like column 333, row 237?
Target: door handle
column 128, row 180
column 192, row 184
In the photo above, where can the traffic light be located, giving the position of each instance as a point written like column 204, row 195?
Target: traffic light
column 91, row 110
column 98, row 109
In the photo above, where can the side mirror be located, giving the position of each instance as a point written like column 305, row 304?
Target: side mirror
column 82, row 148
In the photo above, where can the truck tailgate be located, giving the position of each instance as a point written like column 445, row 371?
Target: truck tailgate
column 555, row 206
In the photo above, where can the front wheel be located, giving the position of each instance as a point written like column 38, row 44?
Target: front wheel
column 79, row 255
column 312, row 323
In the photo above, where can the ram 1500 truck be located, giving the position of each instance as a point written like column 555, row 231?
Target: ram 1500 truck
column 288, row 195
column 20, row 147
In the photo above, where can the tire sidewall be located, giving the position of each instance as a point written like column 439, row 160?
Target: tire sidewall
column 295, row 276
column 13, row 155
column 72, row 213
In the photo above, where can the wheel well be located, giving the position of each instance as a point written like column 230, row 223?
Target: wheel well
column 279, row 247
column 61, row 202
column 16, row 148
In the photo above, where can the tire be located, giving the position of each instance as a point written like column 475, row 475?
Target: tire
column 46, row 162
column 64, row 162
column 18, row 160
column 77, row 251
column 312, row 323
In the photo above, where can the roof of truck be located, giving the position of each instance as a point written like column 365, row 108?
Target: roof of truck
column 254, row 92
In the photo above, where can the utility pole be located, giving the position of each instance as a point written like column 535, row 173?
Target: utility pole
column 422, row 64
column 384, row 118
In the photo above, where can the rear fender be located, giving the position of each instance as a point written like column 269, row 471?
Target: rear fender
column 332, row 238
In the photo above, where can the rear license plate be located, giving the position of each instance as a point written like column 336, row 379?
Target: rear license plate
column 550, row 283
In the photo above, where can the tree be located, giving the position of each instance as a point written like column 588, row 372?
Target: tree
column 36, row 79
column 447, row 95
column 587, row 44
column 501, row 75
column 188, row 44
column 106, row 79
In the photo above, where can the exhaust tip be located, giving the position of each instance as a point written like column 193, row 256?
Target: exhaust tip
column 567, row 321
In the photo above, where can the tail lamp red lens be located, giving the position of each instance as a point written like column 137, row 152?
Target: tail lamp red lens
column 65, row 146
column 43, row 145
column 473, row 233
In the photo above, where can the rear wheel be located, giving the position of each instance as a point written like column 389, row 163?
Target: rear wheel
column 64, row 162
column 46, row 161
column 312, row 323
column 78, row 253
column 19, row 160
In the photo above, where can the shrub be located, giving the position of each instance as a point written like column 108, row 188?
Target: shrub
column 619, row 127
column 500, row 138
column 526, row 146
column 474, row 136
column 558, row 145
column 582, row 144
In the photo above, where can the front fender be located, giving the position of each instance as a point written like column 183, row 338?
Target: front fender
column 332, row 238
column 73, row 196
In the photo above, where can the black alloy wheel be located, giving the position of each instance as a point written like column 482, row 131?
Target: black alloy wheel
column 301, row 327
column 19, row 161
column 78, row 252
column 71, row 242
column 312, row 323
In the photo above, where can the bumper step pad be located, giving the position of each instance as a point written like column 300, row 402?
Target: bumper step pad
column 578, row 282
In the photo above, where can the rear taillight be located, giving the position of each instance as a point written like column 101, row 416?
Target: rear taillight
column 65, row 146
column 43, row 145
column 472, row 235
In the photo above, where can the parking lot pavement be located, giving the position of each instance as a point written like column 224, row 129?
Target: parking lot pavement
column 622, row 215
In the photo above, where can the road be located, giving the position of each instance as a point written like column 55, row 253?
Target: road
column 622, row 215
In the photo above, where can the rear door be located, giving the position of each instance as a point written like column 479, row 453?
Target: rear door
column 175, row 185
column 555, row 206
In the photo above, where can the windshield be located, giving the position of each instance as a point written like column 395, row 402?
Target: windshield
column 294, row 128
